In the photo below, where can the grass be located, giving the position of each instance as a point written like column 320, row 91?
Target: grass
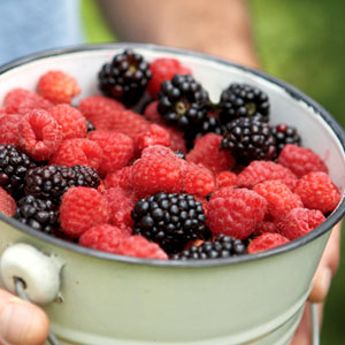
column 301, row 42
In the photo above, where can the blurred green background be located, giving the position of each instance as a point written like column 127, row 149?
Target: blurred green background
column 303, row 43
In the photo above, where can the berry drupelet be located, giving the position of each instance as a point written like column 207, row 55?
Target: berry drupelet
column 170, row 220
column 249, row 139
column 14, row 165
column 183, row 102
column 90, row 126
column 211, row 125
column 125, row 78
column 242, row 100
column 285, row 134
column 221, row 247
column 41, row 215
column 51, row 181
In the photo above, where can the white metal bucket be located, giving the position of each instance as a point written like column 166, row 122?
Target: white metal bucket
column 111, row 300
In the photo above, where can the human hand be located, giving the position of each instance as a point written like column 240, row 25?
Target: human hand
column 321, row 283
column 21, row 323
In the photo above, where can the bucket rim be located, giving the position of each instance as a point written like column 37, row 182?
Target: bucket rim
column 292, row 91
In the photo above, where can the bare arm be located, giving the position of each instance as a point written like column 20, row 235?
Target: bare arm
column 219, row 27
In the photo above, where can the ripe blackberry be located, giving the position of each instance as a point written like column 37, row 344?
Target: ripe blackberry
column 125, row 78
column 183, row 102
column 171, row 220
column 221, row 247
column 249, row 139
column 212, row 125
column 51, row 181
column 13, row 167
column 285, row 134
column 242, row 100
column 90, row 126
column 39, row 214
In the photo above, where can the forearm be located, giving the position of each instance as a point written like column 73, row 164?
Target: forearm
column 219, row 27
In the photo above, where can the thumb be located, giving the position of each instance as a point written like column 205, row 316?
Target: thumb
column 21, row 323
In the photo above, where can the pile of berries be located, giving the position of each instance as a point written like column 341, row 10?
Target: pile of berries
column 179, row 178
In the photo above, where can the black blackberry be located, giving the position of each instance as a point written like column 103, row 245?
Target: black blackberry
column 249, row 139
column 183, row 102
column 39, row 214
column 13, row 168
column 285, row 134
column 171, row 220
column 212, row 125
column 125, row 78
column 242, row 100
column 51, row 181
column 90, row 127
column 221, row 247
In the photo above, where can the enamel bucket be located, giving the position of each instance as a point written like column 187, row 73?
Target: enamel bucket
column 104, row 299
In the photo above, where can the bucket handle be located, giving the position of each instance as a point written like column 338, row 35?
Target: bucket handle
column 32, row 275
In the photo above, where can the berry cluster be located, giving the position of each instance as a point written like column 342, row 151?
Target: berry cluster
column 186, row 180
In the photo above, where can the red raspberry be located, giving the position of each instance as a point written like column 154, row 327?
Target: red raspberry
column 155, row 135
column 265, row 226
column 226, row 179
column 198, row 180
column 151, row 113
column 3, row 112
column 160, row 151
column 176, row 138
column 58, row 87
column 108, row 114
column 158, row 170
column 71, row 120
column 118, row 149
column 163, row 69
column 260, row 171
column 299, row 222
column 9, row 129
column 99, row 110
column 140, row 247
column 130, row 123
column 103, row 237
column 82, row 208
column 235, row 212
column 21, row 101
column 7, row 203
column 279, row 197
column 207, row 151
column 78, row 152
column 301, row 160
column 265, row 242
column 40, row 135
column 318, row 191
column 120, row 178
column 121, row 204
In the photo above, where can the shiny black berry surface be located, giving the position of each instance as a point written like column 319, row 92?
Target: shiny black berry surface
column 183, row 102
column 221, row 247
column 171, row 220
column 243, row 100
column 51, row 181
column 14, row 165
column 39, row 214
column 249, row 139
column 285, row 134
column 125, row 78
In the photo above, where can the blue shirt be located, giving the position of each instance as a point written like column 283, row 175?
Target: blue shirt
column 28, row 26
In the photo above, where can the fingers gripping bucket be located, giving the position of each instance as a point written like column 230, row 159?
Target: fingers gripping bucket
column 110, row 300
